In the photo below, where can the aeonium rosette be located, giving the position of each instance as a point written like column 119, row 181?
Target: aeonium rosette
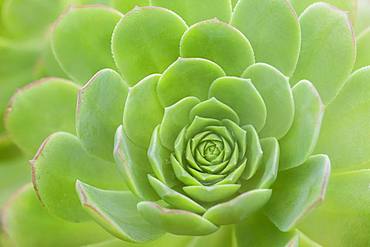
column 218, row 118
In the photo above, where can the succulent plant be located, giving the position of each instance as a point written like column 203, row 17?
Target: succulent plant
column 217, row 120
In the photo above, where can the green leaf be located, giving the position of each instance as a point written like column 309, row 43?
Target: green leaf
column 297, row 191
column 267, row 171
column 200, row 124
column 134, row 165
column 174, row 198
column 175, row 118
column 226, row 45
column 138, row 124
column 159, row 158
column 193, row 75
column 99, row 112
column 146, row 41
column 39, row 109
column 362, row 21
column 19, row 18
column 328, row 49
column 272, row 28
column 305, row 241
column 175, row 221
column 344, row 215
column 81, row 41
column 363, row 49
column 239, row 208
column 300, row 141
column 28, row 223
column 258, row 231
column 344, row 135
column 181, row 174
column 59, row 162
column 350, row 6
column 212, row 193
column 223, row 237
column 116, row 212
column 254, row 152
column 194, row 11
column 242, row 97
column 275, row 90
column 214, row 109
column 127, row 5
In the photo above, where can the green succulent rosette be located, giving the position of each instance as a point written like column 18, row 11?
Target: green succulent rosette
column 203, row 119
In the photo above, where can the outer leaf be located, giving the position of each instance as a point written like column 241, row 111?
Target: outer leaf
column 297, row 191
column 300, row 141
column 363, row 49
column 276, row 93
column 175, row 221
column 40, row 109
column 81, row 41
column 239, row 208
column 243, row 97
column 345, row 131
column 258, row 231
column 344, row 215
column 134, row 165
column 59, row 162
column 27, row 223
column 223, row 237
column 19, row 18
column 99, row 113
column 116, row 212
column 138, row 124
column 328, row 49
column 363, row 18
column 226, row 45
column 194, row 11
column 272, row 28
column 193, row 75
column 146, row 41
column 254, row 152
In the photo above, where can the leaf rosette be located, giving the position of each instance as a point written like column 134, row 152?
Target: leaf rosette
column 218, row 110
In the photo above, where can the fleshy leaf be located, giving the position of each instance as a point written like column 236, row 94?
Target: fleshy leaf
column 343, row 217
column 27, row 223
column 20, row 20
column 275, row 90
column 344, row 135
column 223, row 237
column 81, row 41
column 242, row 97
column 181, row 174
column 215, row 109
column 174, row 198
column 328, row 49
column 349, row 6
column 300, row 141
column 59, row 162
column 39, row 109
column 212, row 193
column 254, row 152
column 272, row 28
column 99, row 112
column 268, row 169
column 134, row 165
column 117, row 213
column 146, row 41
column 239, row 208
column 254, row 230
column 226, row 45
column 297, row 191
column 363, row 49
column 193, row 75
column 159, row 158
column 138, row 124
column 175, row 118
column 175, row 221
column 194, row 11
